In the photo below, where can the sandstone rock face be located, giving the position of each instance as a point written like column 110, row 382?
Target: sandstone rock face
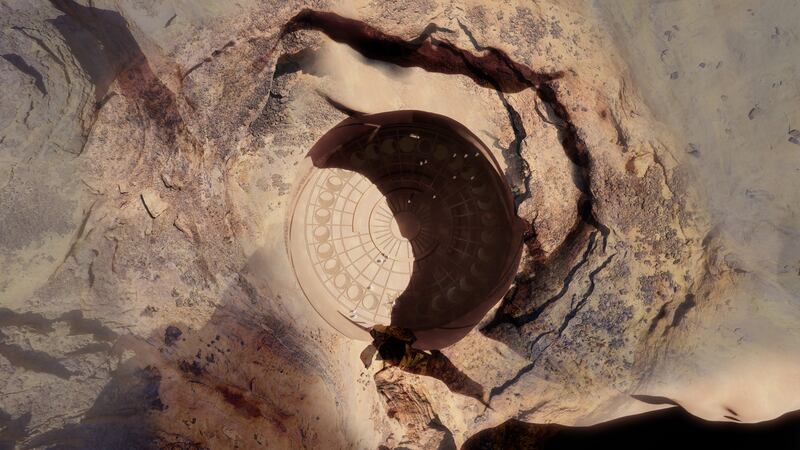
column 149, row 151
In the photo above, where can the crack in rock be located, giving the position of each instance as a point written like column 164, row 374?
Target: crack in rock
column 502, row 317
column 574, row 309
column 207, row 59
column 515, row 148
column 425, row 52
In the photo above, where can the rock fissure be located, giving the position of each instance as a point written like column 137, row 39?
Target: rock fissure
column 515, row 120
column 585, row 297
column 574, row 309
column 521, row 320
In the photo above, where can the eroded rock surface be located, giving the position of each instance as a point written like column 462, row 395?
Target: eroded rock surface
column 148, row 155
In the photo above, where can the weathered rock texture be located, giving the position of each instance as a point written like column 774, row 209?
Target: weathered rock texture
column 147, row 157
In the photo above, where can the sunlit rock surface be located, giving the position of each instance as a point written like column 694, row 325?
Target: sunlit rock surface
column 148, row 155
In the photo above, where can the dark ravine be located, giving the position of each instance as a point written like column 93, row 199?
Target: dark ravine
column 575, row 307
column 425, row 52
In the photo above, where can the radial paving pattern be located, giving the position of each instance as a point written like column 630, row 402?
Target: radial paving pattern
column 406, row 224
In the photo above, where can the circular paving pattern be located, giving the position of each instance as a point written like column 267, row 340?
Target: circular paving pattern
column 404, row 223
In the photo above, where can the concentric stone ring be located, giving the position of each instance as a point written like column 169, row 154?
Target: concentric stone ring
column 403, row 218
